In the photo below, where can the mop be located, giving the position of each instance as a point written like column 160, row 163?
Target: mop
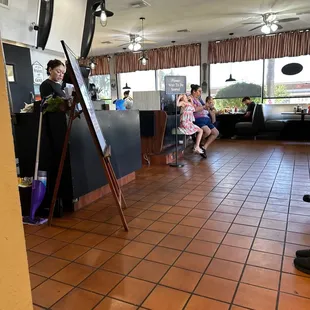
column 38, row 183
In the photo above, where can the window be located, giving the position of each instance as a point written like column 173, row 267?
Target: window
column 248, row 76
column 104, row 84
column 278, row 85
column 192, row 76
column 138, row 81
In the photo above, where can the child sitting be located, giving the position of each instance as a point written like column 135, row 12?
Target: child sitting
column 187, row 118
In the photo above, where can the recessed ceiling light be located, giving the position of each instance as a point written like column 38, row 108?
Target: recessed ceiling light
column 183, row 30
column 139, row 4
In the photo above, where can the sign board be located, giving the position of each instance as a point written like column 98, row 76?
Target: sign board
column 38, row 73
column 175, row 85
column 82, row 91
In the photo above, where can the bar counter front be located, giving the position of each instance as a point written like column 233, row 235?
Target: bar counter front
column 83, row 180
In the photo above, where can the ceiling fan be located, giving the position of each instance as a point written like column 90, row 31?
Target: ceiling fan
column 271, row 23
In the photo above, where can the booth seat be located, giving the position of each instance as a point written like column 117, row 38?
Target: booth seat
column 252, row 128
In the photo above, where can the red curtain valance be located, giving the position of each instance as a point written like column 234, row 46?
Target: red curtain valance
column 286, row 44
column 160, row 58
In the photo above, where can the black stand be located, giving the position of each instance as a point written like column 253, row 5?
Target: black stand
column 176, row 164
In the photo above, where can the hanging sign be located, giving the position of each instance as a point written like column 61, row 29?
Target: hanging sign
column 38, row 73
column 175, row 85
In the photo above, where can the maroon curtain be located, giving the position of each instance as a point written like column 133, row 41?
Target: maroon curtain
column 160, row 58
column 287, row 44
column 102, row 65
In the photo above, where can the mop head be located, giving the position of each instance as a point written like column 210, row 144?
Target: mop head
column 36, row 221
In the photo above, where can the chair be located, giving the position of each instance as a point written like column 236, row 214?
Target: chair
column 251, row 129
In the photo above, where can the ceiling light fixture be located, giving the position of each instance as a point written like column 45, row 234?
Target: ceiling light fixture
column 103, row 13
column 230, row 79
column 266, row 29
column 144, row 59
column 92, row 64
column 126, row 86
column 274, row 27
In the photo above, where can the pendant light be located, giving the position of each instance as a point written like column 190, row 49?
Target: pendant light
column 103, row 13
column 126, row 87
column 231, row 79
column 92, row 64
column 143, row 59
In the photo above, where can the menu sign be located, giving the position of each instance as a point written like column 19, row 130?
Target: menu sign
column 38, row 73
column 86, row 100
column 175, row 85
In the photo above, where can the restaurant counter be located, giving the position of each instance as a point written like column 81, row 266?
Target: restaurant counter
column 83, row 173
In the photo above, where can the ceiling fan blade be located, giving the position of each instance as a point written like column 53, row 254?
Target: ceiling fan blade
column 303, row 13
column 280, row 27
column 149, row 42
column 124, row 44
column 255, row 23
column 287, row 20
column 256, row 27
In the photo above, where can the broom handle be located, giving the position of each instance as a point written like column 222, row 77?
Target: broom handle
column 36, row 169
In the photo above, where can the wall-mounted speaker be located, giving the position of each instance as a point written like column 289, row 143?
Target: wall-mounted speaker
column 89, row 26
column 45, row 22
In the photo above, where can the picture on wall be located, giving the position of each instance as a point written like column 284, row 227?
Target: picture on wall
column 10, row 73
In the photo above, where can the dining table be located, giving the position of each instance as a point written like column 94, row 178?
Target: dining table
column 227, row 123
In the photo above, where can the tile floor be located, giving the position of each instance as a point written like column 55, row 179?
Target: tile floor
column 217, row 234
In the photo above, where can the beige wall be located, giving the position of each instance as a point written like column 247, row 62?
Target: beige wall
column 15, row 293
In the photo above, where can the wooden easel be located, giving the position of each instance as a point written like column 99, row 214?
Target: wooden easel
column 105, row 160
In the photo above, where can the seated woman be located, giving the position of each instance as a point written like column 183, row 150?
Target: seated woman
column 202, row 118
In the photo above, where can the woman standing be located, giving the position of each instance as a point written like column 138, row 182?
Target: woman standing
column 53, row 85
column 202, row 117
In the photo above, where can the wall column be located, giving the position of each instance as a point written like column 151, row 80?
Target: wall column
column 204, row 59
column 14, row 284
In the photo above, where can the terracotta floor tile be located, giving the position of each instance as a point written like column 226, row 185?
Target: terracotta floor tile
column 193, row 262
column 291, row 302
column 101, row 282
column 193, row 221
column 94, row 258
column 232, row 254
column 274, row 247
column 225, row 269
column 78, row 299
column 228, row 209
column 217, row 225
column 188, row 203
column 34, row 258
column 254, row 297
column 202, row 247
column 290, row 249
column 121, row 264
column 112, row 244
column 49, row 247
column 48, row 266
column 160, row 208
column 201, row 303
column 193, row 197
column 295, row 285
column 73, row 274
column 297, row 238
column 272, row 224
column 163, row 255
column 175, row 242
column 243, row 230
column 238, row 241
column 151, row 237
column 140, row 223
column 171, row 218
column 181, row 279
column 207, row 206
column 37, row 308
column 261, row 277
column 265, row 260
column 105, row 229
column 49, row 231
column 90, row 239
column 71, row 251
column 113, row 304
column 151, row 215
column 137, row 249
column 149, row 271
column 251, row 212
column 86, row 225
column 271, row 234
column 132, row 290
column 223, row 217
column 129, row 235
column 164, row 298
column 210, row 235
column 36, row 280
column 161, row 227
column 184, row 231
column 247, row 220
column 179, row 210
column 216, row 288
column 49, row 292
column 69, row 235
column 288, row 267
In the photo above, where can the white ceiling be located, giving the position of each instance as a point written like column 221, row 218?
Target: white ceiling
column 205, row 19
